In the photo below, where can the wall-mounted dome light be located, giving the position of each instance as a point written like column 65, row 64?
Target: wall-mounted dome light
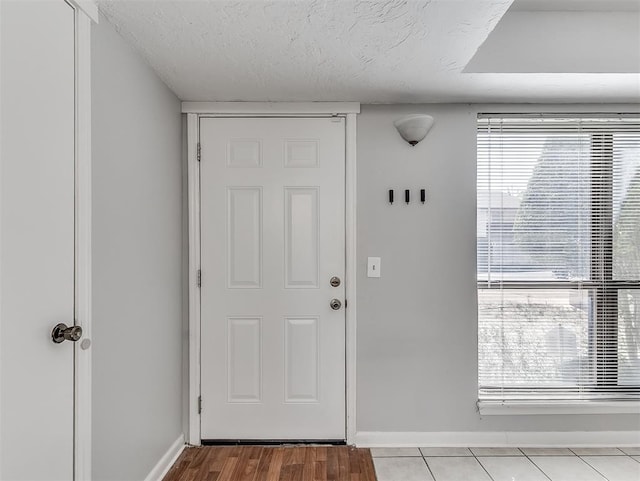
column 414, row 128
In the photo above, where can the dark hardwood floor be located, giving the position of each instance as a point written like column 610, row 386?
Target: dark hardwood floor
column 273, row 463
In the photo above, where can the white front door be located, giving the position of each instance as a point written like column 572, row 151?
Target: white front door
column 36, row 238
column 272, row 237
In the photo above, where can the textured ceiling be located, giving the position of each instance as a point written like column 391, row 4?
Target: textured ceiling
column 339, row 50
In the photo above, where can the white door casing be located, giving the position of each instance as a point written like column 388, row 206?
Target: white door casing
column 44, row 238
column 272, row 236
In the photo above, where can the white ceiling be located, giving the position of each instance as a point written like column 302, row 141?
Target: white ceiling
column 371, row 51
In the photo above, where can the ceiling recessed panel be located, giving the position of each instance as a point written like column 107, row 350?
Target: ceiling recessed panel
column 576, row 5
column 561, row 42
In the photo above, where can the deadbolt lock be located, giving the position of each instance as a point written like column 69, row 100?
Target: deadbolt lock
column 334, row 281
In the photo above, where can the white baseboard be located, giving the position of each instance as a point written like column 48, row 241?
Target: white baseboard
column 166, row 461
column 498, row 439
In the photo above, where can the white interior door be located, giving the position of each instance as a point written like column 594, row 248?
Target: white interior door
column 272, row 237
column 36, row 238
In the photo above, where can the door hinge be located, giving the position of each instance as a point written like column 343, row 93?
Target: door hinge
column 199, row 404
column 199, row 151
column 345, row 303
column 199, row 278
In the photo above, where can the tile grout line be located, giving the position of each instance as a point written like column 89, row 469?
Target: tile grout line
column 481, row 465
column 433, row 476
column 608, row 455
column 587, row 463
column 533, row 462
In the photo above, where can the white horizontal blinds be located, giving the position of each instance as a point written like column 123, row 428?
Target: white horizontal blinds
column 558, row 249
column 624, row 145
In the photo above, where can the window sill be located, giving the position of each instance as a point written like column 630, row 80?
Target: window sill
column 516, row 408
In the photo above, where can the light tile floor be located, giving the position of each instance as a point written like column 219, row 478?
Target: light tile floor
column 507, row 464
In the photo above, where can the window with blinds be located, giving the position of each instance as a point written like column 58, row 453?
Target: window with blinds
column 558, row 249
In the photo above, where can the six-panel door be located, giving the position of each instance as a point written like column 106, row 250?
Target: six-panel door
column 273, row 236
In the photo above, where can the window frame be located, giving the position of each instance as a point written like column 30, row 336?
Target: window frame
column 603, row 292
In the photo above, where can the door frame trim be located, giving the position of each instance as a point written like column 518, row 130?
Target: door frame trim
column 88, row 7
column 82, row 357
column 262, row 109
column 196, row 110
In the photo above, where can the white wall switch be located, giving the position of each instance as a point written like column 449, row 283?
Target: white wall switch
column 373, row 267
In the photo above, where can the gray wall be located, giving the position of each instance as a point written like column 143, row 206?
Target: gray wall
column 417, row 324
column 137, row 261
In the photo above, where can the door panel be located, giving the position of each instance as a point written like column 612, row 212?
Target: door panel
column 244, row 361
column 36, row 239
column 301, row 359
column 244, row 224
column 301, row 243
column 272, row 226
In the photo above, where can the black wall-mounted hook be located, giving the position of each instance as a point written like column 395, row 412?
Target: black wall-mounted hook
column 390, row 196
column 406, row 196
column 423, row 195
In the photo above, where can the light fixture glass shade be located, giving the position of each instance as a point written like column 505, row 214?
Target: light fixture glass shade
column 414, row 128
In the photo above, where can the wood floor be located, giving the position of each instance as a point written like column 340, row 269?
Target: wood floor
column 273, row 463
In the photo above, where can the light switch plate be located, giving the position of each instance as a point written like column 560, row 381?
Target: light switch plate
column 373, row 267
